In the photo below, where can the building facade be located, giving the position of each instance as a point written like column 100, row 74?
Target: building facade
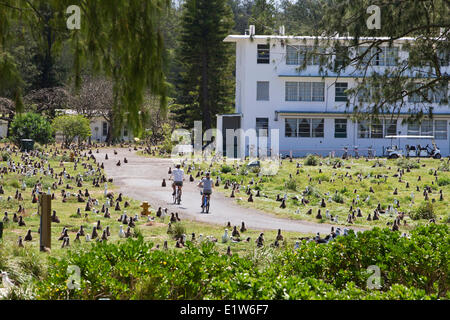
column 308, row 109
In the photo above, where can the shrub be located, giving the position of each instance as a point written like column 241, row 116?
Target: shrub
column 5, row 156
column 444, row 166
column 72, row 127
column 178, row 230
column 31, row 126
column 443, row 181
column 411, row 268
column 291, row 184
column 424, row 211
column 339, row 198
column 311, row 160
column 405, row 163
column 226, row 169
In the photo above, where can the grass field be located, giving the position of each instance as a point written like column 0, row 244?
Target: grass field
column 24, row 264
column 356, row 184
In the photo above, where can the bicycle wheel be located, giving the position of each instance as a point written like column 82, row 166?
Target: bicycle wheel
column 207, row 205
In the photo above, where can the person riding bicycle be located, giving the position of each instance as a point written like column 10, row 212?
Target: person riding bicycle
column 178, row 177
column 207, row 185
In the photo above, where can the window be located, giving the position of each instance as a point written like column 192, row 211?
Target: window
column 318, row 91
column 262, row 127
column 304, row 128
column 290, row 127
column 363, row 129
column 342, row 58
column 263, row 53
column 340, row 94
column 437, row 128
column 376, row 130
column 390, row 127
column 317, row 128
column 305, row 91
column 291, row 91
column 105, row 128
column 296, row 55
column 444, row 57
column 413, row 129
column 382, row 56
column 440, row 129
column 391, row 56
column 340, row 128
column 438, row 94
column 426, row 128
column 262, row 91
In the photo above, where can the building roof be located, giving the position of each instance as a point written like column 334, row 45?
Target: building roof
column 235, row 38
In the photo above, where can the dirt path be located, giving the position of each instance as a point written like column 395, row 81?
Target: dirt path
column 141, row 179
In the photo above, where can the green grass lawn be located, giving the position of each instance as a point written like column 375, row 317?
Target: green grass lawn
column 155, row 232
column 351, row 182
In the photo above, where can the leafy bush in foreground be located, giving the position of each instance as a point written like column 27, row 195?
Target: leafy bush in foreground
column 411, row 268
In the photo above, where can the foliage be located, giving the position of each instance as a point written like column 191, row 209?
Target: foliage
column 131, row 53
column 31, row 126
column 291, row 184
column 443, row 181
column 226, row 169
column 426, row 21
column 205, row 84
column 444, row 166
column 424, row 211
column 311, row 160
column 405, row 163
column 72, row 127
column 339, row 198
column 411, row 268
column 5, row 156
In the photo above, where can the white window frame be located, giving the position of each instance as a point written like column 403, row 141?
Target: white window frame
column 305, row 91
column 310, row 121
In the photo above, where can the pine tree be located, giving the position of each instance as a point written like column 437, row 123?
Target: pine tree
column 205, row 87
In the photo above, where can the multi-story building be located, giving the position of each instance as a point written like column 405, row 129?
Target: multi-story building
column 308, row 108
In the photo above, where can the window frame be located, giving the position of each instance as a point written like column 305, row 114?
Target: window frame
column 258, row 96
column 318, row 132
column 343, row 124
column 304, row 91
column 341, row 97
column 262, row 58
column 265, row 126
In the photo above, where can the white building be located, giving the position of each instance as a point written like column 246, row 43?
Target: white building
column 309, row 109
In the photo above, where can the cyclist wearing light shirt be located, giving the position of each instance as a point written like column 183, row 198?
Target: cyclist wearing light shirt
column 207, row 185
column 178, row 177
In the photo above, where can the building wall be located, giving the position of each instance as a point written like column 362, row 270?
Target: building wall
column 277, row 72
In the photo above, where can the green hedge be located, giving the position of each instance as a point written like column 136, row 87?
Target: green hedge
column 411, row 268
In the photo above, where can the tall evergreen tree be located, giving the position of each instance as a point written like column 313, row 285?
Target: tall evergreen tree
column 205, row 87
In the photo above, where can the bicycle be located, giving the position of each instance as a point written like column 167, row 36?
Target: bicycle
column 177, row 195
column 206, row 201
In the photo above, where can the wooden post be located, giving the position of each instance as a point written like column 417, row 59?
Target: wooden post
column 45, row 209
